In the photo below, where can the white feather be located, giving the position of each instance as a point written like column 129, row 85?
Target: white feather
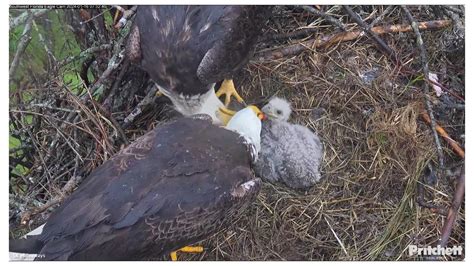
column 248, row 125
column 206, row 103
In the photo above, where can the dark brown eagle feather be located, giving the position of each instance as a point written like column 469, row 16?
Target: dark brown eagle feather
column 171, row 187
column 184, row 49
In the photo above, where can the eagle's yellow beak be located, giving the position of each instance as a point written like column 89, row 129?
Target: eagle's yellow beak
column 225, row 115
column 258, row 112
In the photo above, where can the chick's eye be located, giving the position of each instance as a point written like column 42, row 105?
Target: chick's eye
column 279, row 112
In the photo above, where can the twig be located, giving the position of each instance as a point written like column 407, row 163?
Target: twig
column 114, row 122
column 384, row 13
column 51, row 57
column 24, row 41
column 114, row 63
column 325, row 16
column 459, row 29
column 327, row 41
column 118, row 79
column 383, row 47
column 454, row 145
column 126, row 15
column 66, row 190
column 290, row 35
column 453, row 210
column 446, row 89
column 24, row 16
column 84, row 53
column 141, row 106
column 420, row 199
column 96, row 16
column 453, row 9
column 424, row 62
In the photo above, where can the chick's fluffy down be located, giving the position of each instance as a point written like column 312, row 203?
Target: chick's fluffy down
column 290, row 154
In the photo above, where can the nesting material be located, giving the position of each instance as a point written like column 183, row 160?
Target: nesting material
column 290, row 153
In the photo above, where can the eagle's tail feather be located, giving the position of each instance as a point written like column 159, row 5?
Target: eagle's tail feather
column 30, row 245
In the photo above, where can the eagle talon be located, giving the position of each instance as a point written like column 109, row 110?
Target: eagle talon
column 187, row 249
column 228, row 88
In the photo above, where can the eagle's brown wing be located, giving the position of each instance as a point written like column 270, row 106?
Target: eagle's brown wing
column 186, row 48
column 242, row 27
column 174, row 186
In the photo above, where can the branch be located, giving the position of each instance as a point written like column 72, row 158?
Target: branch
column 384, row 13
column 24, row 41
column 327, row 41
column 454, row 145
column 24, row 16
column 67, row 189
column 114, row 63
column 383, row 47
column 456, row 204
column 424, row 62
column 84, row 54
column 126, row 15
column 290, row 35
column 114, row 122
column 141, row 106
column 453, row 9
column 325, row 16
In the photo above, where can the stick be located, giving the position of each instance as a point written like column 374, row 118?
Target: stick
column 454, row 145
column 450, row 8
column 383, row 47
column 24, row 41
column 384, row 13
column 424, row 62
column 67, row 189
column 84, row 53
column 290, row 35
column 114, row 122
column 327, row 41
column 141, row 106
column 453, row 210
column 24, row 16
column 126, row 15
column 325, row 16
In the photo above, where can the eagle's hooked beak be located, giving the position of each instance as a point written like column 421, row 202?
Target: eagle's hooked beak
column 262, row 116
column 225, row 115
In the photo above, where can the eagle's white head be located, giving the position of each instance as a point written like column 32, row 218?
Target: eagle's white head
column 278, row 109
column 247, row 122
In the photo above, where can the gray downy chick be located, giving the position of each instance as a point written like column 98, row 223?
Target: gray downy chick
column 290, row 153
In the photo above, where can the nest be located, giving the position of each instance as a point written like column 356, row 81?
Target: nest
column 365, row 111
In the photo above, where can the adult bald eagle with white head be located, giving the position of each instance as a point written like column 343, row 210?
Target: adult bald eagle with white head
column 186, row 50
column 172, row 187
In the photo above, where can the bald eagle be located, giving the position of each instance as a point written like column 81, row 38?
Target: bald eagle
column 172, row 187
column 186, row 50
column 290, row 153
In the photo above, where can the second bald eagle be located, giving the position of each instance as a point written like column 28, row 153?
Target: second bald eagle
column 186, row 50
